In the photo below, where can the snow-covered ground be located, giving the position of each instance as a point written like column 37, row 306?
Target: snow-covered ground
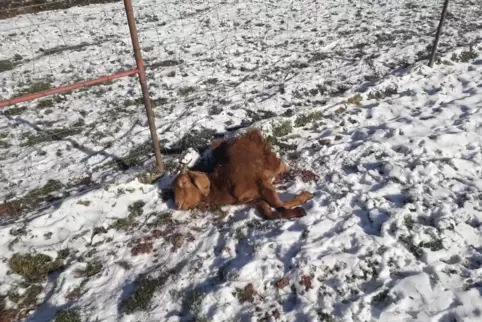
column 390, row 148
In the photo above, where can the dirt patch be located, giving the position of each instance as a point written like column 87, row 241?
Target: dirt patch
column 177, row 240
column 246, row 294
column 290, row 176
column 142, row 248
column 306, row 282
column 282, row 283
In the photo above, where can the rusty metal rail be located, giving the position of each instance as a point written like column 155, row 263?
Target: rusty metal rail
column 63, row 89
column 140, row 71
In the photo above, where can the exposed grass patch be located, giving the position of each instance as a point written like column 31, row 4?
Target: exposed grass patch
column 465, row 56
column 6, row 65
column 283, row 129
column 340, row 110
column 142, row 296
column 34, row 198
column 387, row 92
column 136, row 157
column 140, row 299
column 114, row 112
column 28, row 299
column 31, row 294
column 33, row 6
column 284, row 147
column 98, row 136
column 211, row 81
column 434, row 245
column 240, row 234
column 67, row 316
column 76, row 293
column 62, row 48
column 323, row 316
column 197, row 139
column 151, row 176
column 165, row 63
column 13, row 243
column 99, row 230
column 185, row 91
column 409, row 222
column 304, row 119
column 18, row 232
column 85, row 203
column 125, row 265
column 63, row 253
column 468, row 55
column 35, row 88
column 411, row 247
column 192, row 300
column 3, row 304
column 34, row 268
column 259, row 115
column 355, row 100
column 135, row 210
column 4, row 144
column 80, row 122
column 380, row 298
column 45, row 103
column 130, row 102
column 159, row 101
column 50, row 135
column 154, row 101
column 164, row 219
column 93, row 268
column 14, row 111
column 50, row 187
column 90, row 253
column 81, row 234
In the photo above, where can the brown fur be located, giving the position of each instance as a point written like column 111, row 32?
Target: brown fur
column 244, row 173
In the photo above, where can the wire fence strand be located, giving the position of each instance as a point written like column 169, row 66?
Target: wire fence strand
column 211, row 65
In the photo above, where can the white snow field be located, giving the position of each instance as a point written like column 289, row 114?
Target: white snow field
column 390, row 148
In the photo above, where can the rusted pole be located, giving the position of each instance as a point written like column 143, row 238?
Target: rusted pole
column 142, row 78
column 67, row 88
column 439, row 31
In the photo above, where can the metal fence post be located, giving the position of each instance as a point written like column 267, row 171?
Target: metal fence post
column 142, row 79
column 439, row 31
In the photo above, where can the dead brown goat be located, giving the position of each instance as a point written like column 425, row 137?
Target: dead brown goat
column 244, row 173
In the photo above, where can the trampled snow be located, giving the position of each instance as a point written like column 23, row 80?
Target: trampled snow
column 390, row 148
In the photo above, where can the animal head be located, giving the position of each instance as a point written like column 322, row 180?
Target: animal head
column 189, row 189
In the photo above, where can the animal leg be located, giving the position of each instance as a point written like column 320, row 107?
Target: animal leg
column 264, row 208
column 283, row 168
column 271, row 196
column 216, row 143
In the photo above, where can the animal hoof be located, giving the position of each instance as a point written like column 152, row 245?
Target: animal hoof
column 300, row 212
column 305, row 196
column 294, row 213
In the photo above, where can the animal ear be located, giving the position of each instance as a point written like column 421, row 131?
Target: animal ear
column 183, row 181
column 201, row 181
